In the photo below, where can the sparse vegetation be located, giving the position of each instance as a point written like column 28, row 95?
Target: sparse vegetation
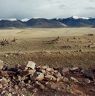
column 54, row 47
column 58, row 48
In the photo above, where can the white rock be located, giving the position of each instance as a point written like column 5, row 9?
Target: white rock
column 40, row 77
column 1, row 64
column 31, row 65
column 74, row 79
column 87, row 81
column 74, row 68
column 31, row 72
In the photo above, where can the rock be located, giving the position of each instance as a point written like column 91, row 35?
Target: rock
column 19, row 78
column 5, row 68
column 88, row 74
column 40, row 85
column 74, row 79
column 65, row 79
column 58, row 76
column 1, row 86
column 54, row 86
column 1, row 64
column 59, row 79
column 43, row 71
column 4, row 73
column 45, row 67
column 4, row 80
column 74, row 68
column 65, row 71
column 40, row 77
column 50, row 77
column 10, row 94
column 87, row 81
column 31, row 65
column 6, row 55
column 50, row 69
column 31, row 72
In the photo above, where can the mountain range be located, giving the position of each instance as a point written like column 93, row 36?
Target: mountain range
column 73, row 21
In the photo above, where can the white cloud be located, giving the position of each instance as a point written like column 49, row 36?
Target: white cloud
column 46, row 8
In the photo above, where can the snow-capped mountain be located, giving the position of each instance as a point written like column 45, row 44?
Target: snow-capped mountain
column 78, row 17
column 24, row 20
column 74, row 21
column 9, row 19
column 12, row 19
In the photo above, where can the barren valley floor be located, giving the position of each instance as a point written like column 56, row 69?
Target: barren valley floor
column 56, row 47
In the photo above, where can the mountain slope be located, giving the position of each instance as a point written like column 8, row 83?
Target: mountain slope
column 49, row 23
column 8, row 23
column 78, row 22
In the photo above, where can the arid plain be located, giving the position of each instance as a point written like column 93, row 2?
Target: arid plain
column 56, row 47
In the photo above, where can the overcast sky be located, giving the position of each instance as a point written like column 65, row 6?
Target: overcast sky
column 46, row 8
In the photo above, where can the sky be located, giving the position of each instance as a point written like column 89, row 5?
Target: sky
column 46, row 8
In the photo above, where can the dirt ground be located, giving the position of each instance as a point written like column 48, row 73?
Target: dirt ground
column 55, row 47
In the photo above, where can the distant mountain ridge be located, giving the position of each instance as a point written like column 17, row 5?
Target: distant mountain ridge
column 74, row 21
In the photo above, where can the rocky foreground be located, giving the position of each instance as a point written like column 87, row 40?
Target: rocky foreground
column 33, row 80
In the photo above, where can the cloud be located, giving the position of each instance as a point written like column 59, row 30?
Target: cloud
column 90, row 8
column 45, row 8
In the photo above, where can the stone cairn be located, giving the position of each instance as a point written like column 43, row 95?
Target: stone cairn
column 32, row 80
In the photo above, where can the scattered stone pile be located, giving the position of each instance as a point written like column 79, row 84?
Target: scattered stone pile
column 32, row 80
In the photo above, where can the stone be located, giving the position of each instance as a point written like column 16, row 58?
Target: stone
column 10, row 94
column 6, row 55
column 88, row 74
column 54, row 86
column 19, row 78
column 43, row 71
column 31, row 72
column 74, row 68
column 58, row 76
column 50, row 77
column 65, row 70
column 87, row 81
column 59, row 79
column 40, row 77
column 4, row 80
column 4, row 73
column 1, row 64
column 1, row 86
column 45, row 67
column 41, row 85
column 65, row 79
column 31, row 65
column 74, row 79
column 16, row 87
column 50, row 69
